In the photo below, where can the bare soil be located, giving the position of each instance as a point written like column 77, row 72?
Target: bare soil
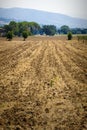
column 43, row 84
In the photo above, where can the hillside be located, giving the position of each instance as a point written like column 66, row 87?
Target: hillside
column 42, row 17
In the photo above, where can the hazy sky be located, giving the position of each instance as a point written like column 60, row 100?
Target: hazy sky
column 75, row 8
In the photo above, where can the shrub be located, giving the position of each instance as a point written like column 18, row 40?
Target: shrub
column 83, row 38
column 9, row 35
column 69, row 36
column 25, row 35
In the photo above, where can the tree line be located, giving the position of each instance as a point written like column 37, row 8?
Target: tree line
column 32, row 28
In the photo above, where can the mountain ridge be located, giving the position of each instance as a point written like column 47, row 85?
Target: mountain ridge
column 41, row 17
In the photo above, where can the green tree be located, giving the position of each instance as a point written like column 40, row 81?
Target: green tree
column 7, row 28
column 12, row 26
column 49, row 30
column 23, row 26
column 69, row 36
column 65, row 29
column 34, row 28
column 9, row 35
column 25, row 34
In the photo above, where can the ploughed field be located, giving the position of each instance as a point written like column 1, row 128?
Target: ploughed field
column 43, row 84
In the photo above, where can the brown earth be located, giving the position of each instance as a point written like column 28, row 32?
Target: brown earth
column 43, row 84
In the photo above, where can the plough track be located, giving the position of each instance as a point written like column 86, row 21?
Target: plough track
column 43, row 84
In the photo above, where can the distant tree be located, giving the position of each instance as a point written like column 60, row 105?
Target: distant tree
column 78, row 31
column 23, row 26
column 12, row 26
column 25, row 34
column 65, row 29
column 59, row 31
column 9, row 35
column 7, row 28
column 29, row 33
column 69, row 36
column 31, row 27
column 84, row 31
column 34, row 28
column 41, row 32
column 49, row 30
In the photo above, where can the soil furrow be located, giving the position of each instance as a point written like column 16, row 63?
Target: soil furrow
column 43, row 84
